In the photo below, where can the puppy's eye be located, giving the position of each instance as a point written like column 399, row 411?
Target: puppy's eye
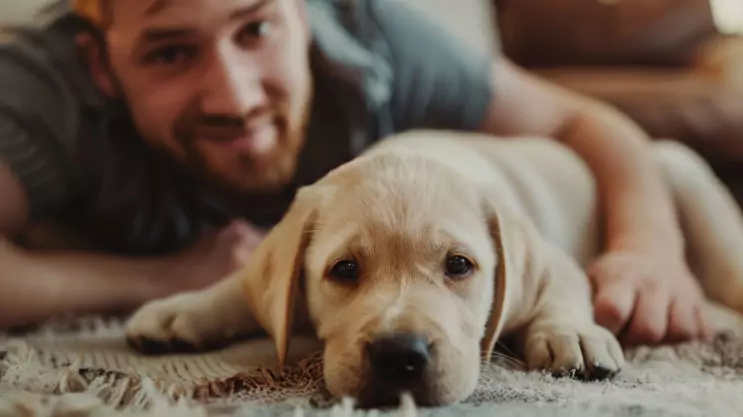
column 344, row 271
column 458, row 266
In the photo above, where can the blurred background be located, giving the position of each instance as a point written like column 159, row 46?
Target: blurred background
column 674, row 66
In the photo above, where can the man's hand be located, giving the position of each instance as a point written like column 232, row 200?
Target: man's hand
column 214, row 256
column 647, row 297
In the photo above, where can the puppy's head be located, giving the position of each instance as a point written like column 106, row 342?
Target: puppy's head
column 401, row 270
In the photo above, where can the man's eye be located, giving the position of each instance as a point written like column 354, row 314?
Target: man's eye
column 255, row 31
column 170, row 55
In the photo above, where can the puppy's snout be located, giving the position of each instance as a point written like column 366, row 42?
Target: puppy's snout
column 399, row 358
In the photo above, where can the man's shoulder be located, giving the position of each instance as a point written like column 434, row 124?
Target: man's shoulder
column 345, row 31
column 351, row 50
column 349, row 14
column 44, row 91
column 40, row 60
column 351, row 24
column 410, row 71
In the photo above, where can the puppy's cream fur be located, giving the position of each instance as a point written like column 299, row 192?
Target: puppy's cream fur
column 523, row 211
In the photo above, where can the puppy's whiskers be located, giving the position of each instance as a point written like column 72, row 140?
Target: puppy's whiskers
column 505, row 348
column 509, row 361
column 504, row 358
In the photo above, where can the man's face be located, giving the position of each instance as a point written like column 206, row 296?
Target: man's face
column 222, row 85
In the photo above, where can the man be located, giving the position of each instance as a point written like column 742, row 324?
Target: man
column 151, row 127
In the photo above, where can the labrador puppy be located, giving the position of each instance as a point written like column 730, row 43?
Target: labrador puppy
column 410, row 262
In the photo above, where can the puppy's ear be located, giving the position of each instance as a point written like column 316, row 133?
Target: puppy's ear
column 271, row 276
column 511, row 238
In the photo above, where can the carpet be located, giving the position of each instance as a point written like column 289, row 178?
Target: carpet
column 82, row 368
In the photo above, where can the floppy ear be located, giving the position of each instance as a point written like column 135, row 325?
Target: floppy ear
column 511, row 238
column 271, row 276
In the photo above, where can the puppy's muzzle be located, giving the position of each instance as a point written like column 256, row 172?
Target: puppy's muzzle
column 397, row 363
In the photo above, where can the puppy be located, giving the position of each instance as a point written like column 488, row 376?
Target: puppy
column 410, row 262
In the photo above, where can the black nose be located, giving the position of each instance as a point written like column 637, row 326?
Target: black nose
column 400, row 357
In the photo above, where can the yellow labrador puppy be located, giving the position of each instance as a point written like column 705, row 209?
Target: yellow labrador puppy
column 411, row 261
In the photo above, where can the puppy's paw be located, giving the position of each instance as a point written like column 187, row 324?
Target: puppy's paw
column 186, row 322
column 587, row 351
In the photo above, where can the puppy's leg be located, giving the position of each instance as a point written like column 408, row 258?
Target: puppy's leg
column 192, row 321
column 711, row 220
column 562, row 336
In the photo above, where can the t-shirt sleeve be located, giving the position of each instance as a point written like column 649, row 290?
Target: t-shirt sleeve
column 37, row 122
column 439, row 81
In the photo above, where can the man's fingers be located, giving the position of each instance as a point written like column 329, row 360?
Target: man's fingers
column 649, row 321
column 705, row 327
column 241, row 235
column 683, row 321
column 613, row 305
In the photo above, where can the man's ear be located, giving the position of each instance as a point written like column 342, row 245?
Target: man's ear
column 511, row 246
column 272, row 274
column 92, row 52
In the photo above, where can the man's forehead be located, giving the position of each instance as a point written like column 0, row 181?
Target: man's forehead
column 147, row 8
column 96, row 10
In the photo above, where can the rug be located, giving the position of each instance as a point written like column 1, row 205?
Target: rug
column 83, row 368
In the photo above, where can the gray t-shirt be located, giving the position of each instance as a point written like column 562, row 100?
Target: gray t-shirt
column 378, row 68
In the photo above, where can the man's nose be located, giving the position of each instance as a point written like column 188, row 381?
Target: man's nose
column 232, row 84
column 399, row 358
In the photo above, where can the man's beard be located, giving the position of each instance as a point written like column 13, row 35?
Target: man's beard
column 278, row 168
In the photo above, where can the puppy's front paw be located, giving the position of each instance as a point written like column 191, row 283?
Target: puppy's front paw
column 185, row 322
column 586, row 351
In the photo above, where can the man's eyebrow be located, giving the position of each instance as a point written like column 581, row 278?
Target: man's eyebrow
column 250, row 9
column 159, row 35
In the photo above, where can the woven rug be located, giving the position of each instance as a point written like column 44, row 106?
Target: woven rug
column 84, row 369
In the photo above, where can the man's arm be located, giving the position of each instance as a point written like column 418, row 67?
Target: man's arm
column 644, row 289
column 14, row 208
column 637, row 207
column 37, row 286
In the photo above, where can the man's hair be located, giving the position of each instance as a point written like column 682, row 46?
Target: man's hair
column 94, row 11
column 90, row 9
